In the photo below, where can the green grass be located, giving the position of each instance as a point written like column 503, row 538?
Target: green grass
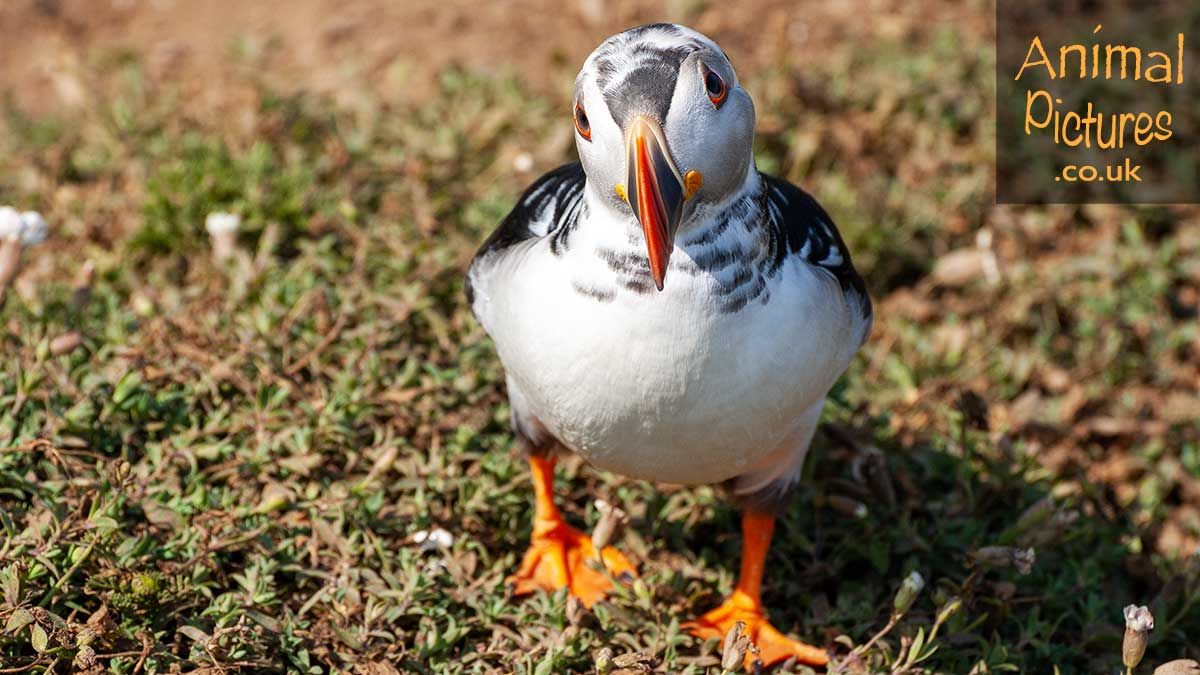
column 229, row 471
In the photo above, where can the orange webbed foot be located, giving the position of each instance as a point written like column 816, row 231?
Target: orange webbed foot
column 559, row 556
column 772, row 645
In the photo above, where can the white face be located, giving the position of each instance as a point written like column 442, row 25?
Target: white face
column 679, row 79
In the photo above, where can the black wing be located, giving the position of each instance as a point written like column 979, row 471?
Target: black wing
column 550, row 207
column 804, row 229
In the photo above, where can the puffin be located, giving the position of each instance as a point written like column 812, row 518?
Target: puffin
column 668, row 312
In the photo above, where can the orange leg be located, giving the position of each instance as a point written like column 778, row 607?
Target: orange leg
column 746, row 605
column 558, row 554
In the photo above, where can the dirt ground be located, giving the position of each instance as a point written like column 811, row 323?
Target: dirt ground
column 336, row 46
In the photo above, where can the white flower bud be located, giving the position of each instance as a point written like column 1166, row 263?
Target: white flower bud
column 1139, row 618
column 35, row 228
column 913, row 584
column 29, row 227
column 223, row 227
column 220, row 221
column 523, row 162
column 1138, row 624
column 612, row 519
column 433, row 540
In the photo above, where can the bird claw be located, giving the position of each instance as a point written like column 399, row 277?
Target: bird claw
column 772, row 645
column 561, row 556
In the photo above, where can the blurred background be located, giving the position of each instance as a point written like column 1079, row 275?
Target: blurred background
column 281, row 442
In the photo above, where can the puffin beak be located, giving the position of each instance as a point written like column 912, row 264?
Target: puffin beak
column 657, row 191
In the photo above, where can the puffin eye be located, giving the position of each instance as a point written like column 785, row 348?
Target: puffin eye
column 714, row 86
column 581, row 123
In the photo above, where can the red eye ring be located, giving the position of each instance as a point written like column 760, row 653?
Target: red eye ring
column 582, row 125
column 715, row 87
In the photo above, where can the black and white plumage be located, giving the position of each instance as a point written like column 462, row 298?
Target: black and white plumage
column 721, row 375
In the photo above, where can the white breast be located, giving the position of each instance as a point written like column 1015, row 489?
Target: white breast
column 663, row 386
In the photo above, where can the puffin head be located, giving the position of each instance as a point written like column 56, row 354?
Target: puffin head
column 662, row 127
